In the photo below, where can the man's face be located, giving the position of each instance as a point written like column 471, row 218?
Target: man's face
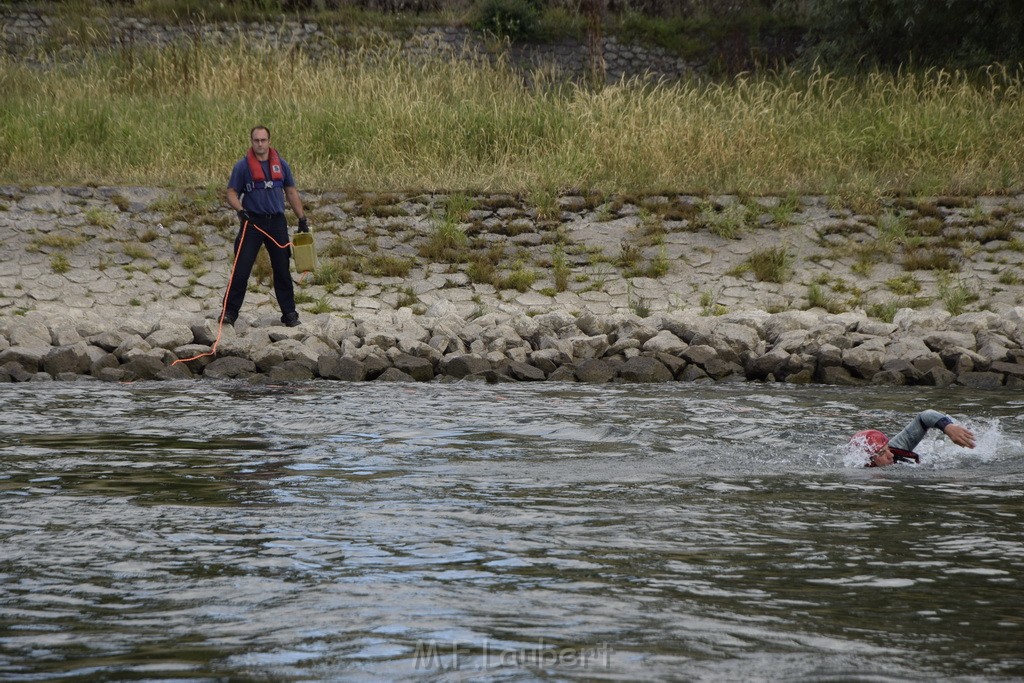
column 260, row 142
column 882, row 457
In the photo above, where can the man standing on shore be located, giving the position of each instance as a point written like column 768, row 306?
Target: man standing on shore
column 259, row 184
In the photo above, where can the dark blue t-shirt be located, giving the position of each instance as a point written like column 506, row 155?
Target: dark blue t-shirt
column 259, row 199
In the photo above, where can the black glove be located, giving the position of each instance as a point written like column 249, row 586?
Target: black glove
column 303, row 224
column 243, row 216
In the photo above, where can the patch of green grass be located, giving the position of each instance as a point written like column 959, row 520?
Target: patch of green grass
column 771, row 265
column 629, row 255
column 407, row 298
column 339, row 246
column 481, row 271
column 331, row 273
column 659, row 265
column 100, row 217
column 887, row 311
column 192, row 261
column 639, row 305
column 904, row 285
column 545, row 201
column 818, row 298
column 59, row 263
column 457, row 208
column 66, row 242
column 447, row 243
column 1008, row 277
column 520, row 278
column 387, row 266
column 782, row 213
column 930, row 259
column 322, row 305
column 1002, row 232
column 136, row 251
column 729, row 222
column 560, row 269
column 195, row 233
column 134, row 302
column 956, row 294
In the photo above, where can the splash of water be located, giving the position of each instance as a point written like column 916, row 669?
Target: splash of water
column 991, row 444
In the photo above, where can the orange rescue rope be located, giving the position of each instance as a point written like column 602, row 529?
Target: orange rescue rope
column 231, row 277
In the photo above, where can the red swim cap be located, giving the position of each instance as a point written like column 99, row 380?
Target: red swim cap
column 871, row 439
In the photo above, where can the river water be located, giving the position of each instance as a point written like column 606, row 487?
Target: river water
column 329, row 531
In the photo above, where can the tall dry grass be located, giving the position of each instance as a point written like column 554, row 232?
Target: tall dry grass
column 375, row 120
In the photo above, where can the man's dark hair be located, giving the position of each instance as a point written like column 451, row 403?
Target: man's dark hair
column 256, row 128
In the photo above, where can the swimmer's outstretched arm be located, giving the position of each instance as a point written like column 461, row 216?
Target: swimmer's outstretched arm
column 931, row 419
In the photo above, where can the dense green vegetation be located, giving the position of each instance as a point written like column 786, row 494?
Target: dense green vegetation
column 181, row 116
column 843, row 34
column 837, row 120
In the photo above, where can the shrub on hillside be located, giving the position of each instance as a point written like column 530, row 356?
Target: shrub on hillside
column 512, row 19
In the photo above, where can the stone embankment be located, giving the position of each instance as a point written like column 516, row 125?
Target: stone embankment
column 25, row 33
column 119, row 283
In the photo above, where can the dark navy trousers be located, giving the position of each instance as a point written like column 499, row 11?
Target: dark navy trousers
column 276, row 226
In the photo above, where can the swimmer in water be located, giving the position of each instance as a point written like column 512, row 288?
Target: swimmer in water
column 900, row 448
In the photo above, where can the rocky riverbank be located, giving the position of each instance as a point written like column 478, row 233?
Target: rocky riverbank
column 118, row 283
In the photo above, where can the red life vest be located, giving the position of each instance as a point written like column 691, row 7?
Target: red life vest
column 259, row 179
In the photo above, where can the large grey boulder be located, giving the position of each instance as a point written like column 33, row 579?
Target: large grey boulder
column 205, row 332
column 420, row 369
column 107, row 361
column 548, row 360
column 27, row 331
column 170, row 336
column 675, row 364
column 593, row 325
column 595, row 371
column 142, row 367
column 645, row 369
column 334, row 366
column 779, row 324
column 268, row 357
column 632, row 327
column 838, row 375
column 461, row 366
column 937, row 376
column 290, row 371
column 701, row 354
column 864, row 361
column 28, row 357
column 557, row 323
column 771, row 363
column 665, row 342
column 1010, row 369
column 229, row 367
column 524, row 372
column 13, row 371
column 981, row 380
column 946, row 339
column 394, row 375
column 720, row 369
column 584, row 347
column 921, row 322
column 62, row 359
column 731, row 340
column 686, row 326
column 961, row 360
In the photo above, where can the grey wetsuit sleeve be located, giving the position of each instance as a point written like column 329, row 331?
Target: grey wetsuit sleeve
column 916, row 429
